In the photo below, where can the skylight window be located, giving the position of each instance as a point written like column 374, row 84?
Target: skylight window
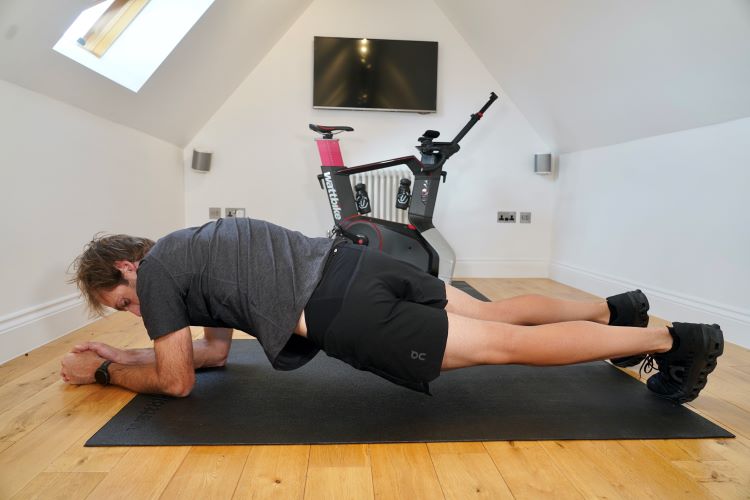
column 127, row 40
column 110, row 25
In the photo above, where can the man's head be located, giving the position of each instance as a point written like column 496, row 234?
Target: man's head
column 106, row 272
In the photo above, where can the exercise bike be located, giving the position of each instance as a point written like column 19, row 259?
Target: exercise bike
column 418, row 242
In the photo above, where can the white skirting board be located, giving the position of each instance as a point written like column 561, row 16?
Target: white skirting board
column 666, row 304
column 506, row 268
column 25, row 330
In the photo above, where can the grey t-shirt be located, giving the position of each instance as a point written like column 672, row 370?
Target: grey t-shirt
column 234, row 273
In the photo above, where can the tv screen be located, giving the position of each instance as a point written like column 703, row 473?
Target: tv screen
column 366, row 73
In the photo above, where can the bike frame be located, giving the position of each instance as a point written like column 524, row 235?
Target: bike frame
column 427, row 175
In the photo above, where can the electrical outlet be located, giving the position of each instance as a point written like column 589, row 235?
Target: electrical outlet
column 506, row 217
column 524, row 217
column 234, row 212
column 214, row 212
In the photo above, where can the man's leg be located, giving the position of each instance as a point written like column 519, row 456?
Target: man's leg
column 473, row 342
column 526, row 309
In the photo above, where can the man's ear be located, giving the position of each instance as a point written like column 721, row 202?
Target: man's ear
column 126, row 267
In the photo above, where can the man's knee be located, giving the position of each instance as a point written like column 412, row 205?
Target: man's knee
column 476, row 342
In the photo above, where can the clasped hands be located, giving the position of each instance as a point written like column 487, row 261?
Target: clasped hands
column 80, row 364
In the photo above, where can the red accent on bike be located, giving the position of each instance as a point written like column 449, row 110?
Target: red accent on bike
column 330, row 153
column 360, row 242
column 412, row 227
column 480, row 115
column 374, row 226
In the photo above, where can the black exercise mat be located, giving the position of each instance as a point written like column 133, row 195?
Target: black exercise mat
column 327, row 401
column 465, row 287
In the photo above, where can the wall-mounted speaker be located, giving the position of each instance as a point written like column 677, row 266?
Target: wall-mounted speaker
column 202, row 160
column 543, row 164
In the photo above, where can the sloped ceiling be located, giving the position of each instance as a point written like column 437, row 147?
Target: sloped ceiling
column 585, row 73
column 192, row 83
column 589, row 73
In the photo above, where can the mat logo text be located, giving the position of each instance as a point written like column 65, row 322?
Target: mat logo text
column 149, row 410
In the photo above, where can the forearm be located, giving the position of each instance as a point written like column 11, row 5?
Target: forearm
column 147, row 379
column 208, row 354
column 142, row 356
column 168, row 368
column 142, row 378
column 205, row 355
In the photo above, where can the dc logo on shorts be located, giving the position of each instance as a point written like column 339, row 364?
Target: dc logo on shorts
column 418, row 355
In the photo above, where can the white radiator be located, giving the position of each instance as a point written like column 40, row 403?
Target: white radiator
column 382, row 187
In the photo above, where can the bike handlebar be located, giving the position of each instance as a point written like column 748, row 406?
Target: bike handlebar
column 493, row 98
column 474, row 119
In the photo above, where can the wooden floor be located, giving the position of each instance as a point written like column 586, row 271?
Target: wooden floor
column 44, row 423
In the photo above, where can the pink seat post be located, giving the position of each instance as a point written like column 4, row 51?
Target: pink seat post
column 330, row 153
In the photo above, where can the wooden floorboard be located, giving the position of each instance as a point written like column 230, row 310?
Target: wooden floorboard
column 44, row 424
column 403, row 470
column 214, row 471
column 530, row 471
column 274, row 472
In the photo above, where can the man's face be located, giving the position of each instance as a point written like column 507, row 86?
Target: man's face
column 122, row 298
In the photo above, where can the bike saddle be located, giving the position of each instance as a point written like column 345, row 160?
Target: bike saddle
column 328, row 131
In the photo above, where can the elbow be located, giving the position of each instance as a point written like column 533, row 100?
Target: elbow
column 220, row 359
column 182, row 392
column 218, row 354
column 179, row 391
column 180, row 388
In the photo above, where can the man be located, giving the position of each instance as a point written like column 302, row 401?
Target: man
column 299, row 295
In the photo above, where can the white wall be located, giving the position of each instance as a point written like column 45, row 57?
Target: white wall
column 265, row 158
column 668, row 214
column 590, row 73
column 66, row 175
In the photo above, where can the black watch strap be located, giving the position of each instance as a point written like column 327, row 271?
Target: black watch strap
column 102, row 373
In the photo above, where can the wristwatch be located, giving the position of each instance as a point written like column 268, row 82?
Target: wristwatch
column 102, row 373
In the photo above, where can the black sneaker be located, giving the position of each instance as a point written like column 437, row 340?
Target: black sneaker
column 683, row 371
column 628, row 309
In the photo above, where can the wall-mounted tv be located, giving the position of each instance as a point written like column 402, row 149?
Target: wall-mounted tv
column 367, row 73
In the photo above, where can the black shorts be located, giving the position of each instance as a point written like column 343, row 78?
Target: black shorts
column 379, row 314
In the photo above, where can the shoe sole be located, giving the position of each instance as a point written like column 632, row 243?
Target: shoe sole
column 639, row 301
column 713, row 344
